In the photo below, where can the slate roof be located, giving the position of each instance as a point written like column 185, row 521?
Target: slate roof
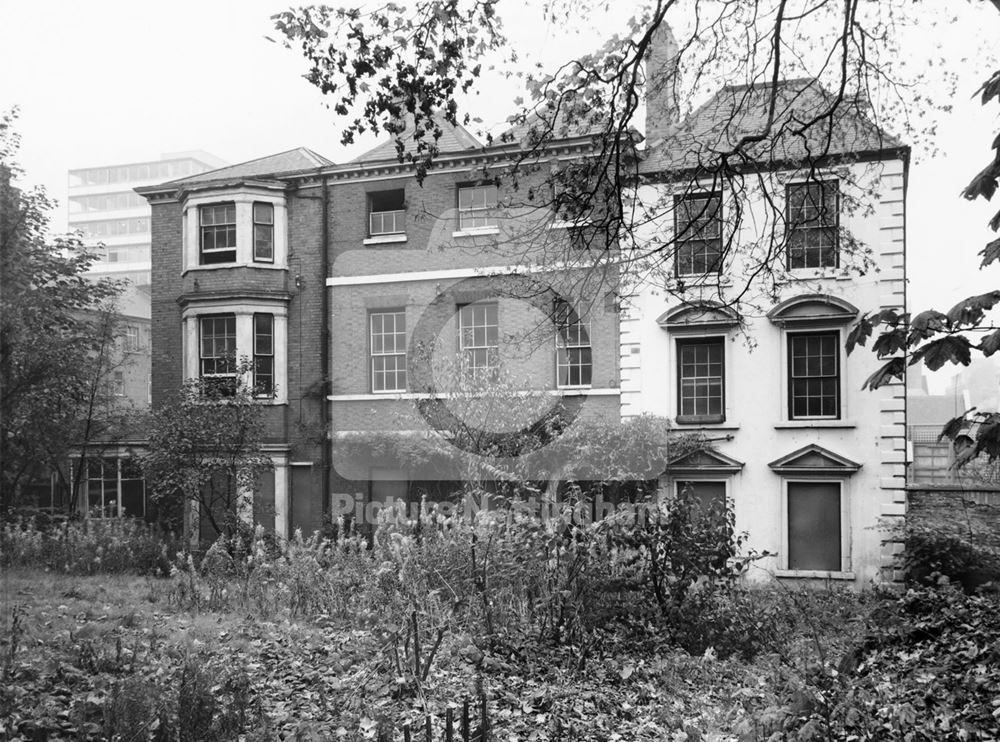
column 292, row 161
column 535, row 125
column 454, row 138
column 739, row 110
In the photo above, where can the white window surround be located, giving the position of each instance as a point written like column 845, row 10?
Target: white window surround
column 672, row 480
column 244, row 198
column 844, row 572
column 244, row 312
column 843, row 420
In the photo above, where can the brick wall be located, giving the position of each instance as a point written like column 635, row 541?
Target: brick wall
column 166, row 279
column 976, row 512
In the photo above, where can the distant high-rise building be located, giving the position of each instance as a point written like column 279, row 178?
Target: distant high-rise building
column 103, row 206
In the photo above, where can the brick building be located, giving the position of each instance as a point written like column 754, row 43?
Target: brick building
column 335, row 279
column 323, row 273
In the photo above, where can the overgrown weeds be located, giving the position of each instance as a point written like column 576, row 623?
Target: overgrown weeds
column 112, row 546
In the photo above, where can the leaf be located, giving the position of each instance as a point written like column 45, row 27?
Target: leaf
column 952, row 428
column 991, row 252
column 970, row 311
column 990, row 344
column 894, row 369
column 951, row 349
column 889, row 343
column 926, row 324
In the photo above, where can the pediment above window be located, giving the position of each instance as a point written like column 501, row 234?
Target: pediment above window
column 705, row 460
column 814, row 459
column 705, row 315
column 813, row 309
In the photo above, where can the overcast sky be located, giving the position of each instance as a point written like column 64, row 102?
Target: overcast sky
column 101, row 82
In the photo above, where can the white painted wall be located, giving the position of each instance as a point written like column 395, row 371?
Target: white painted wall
column 871, row 430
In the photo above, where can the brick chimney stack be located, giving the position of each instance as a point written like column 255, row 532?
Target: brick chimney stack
column 661, row 92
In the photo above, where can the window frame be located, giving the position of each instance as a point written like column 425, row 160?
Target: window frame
column 259, row 356
column 790, row 336
column 244, row 198
column 396, row 231
column 564, row 347
column 703, row 478
column 489, row 368
column 792, row 226
column 680, row 244
column 229, row 227
column 256, row 225
column 709, row 419
column 131, row 338
column 202, row 358
column 91, row 495
column 373, row 355
column 486, row 212
column 845, row 567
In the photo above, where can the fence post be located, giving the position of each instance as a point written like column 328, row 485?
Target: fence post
column 449, row 724
column 465, row 720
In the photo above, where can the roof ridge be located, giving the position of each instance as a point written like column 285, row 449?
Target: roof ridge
column 316, row 159
column 769, row 83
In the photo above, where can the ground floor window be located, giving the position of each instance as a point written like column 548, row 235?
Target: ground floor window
column 814, row 526
column 707, row 494
column 115, row 488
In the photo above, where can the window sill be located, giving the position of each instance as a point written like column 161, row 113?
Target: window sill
column 227, row 266
column 384, row 239
column 700, row 419
column 814, row 574
column 478, row 232
column 698, row 280
column 681, row 425
column 560, row 224
column 815, row 274
column 799, row 424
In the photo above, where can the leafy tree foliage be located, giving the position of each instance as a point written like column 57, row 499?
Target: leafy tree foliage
column 56, row 334
column 392, row 65
column 938, row 338
column 205, row 451
column 413, row 61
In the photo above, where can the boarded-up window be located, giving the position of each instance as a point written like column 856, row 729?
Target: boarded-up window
column 707, row 495
column 814, row 526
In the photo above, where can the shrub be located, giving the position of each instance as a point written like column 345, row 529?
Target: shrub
column 86, row 547
column 932, row 551
column 731, row 620
column 928, row 669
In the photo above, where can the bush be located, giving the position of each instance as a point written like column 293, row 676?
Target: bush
column 501, row 574
column 933, row 551
column 86, row 546
column 731, row 620
column 928, row 669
